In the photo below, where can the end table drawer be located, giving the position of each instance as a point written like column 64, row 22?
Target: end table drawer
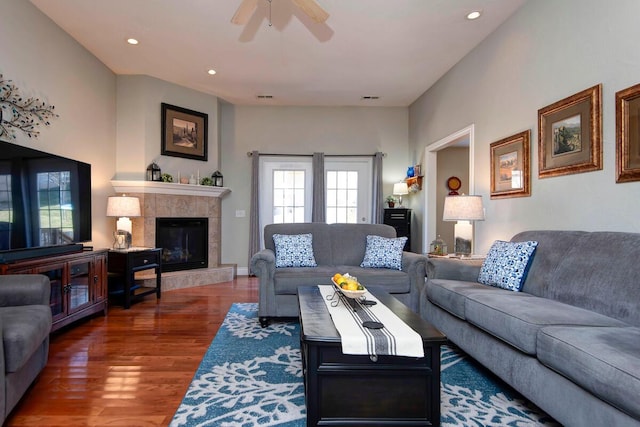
column 144, row 259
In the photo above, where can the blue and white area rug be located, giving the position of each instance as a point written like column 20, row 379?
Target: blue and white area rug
column 252, row 376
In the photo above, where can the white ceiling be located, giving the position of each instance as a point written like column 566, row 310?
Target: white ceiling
column 394, row 49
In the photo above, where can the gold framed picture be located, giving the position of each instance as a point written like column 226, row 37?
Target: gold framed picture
column 184, row 133
column 510, row 166
column 628, row 134
column 570, row 134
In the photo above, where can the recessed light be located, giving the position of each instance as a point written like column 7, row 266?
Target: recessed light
column 474, row 15
column 211, row 71
column 132, row 41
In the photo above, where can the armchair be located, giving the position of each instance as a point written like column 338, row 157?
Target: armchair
column 25, row 322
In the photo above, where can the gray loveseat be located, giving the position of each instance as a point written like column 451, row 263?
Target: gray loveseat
column 570, row 340
column 337, row 248
column 25, row 323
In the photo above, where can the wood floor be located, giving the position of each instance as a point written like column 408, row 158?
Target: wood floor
column 133, row 367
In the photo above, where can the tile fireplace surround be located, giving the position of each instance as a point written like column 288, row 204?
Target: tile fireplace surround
column 161, row 199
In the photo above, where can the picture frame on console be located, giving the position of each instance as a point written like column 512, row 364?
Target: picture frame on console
column 628, row 134
column 570, row 134
column 184, row 133
column 510, row 166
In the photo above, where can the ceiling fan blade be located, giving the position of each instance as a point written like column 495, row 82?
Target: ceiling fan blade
column 313, row 9
column 244, row 12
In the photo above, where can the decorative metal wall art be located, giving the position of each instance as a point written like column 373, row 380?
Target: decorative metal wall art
column 19, row 113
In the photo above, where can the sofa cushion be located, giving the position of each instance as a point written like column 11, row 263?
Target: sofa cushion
column 451, row 294
column 507, row 264
column 516, row 318
column 294, row 250
column 604, row 361
column 24, row 328
column 392, row 281
column 287, row 279
column 384, row 252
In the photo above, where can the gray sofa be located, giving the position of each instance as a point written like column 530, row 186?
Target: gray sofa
column 570, row 340
column 25, row 323
column 338, row 248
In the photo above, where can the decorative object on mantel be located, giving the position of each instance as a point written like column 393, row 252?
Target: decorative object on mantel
column 153, row 172
column 217, row 179
column 166, row 177
column 21, row 113
column 206, row 181
column 184, row 133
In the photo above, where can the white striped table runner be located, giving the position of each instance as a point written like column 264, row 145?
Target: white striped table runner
column 396, row 338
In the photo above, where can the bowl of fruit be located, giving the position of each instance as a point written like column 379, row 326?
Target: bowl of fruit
column 348, row 285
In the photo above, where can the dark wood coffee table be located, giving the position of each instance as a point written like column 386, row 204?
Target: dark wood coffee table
column 354, row 390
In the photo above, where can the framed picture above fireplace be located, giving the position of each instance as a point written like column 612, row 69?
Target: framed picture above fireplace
column 184, row 133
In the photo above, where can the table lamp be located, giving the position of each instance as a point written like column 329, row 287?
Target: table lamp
column 463, row 209
column 123, row 208
column 400, row 189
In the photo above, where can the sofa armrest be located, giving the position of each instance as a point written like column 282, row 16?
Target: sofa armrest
column 415, row 266
column 454, row 269
column 263, row 263
column 24, row 289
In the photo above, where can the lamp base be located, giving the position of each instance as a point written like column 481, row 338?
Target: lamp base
column 463, row 233
column 121, row 239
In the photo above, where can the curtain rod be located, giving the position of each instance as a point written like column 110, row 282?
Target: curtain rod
column 250, row 154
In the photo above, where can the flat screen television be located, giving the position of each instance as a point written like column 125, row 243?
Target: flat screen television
column 45, row 203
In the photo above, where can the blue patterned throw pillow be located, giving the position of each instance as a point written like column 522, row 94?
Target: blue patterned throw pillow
column 294, row 250
column 507, row 264
column 384, row 252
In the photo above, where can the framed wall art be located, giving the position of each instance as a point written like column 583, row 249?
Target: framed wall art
column 628, row 134
column 510, row 166
column 570, row 134
column 184, row 133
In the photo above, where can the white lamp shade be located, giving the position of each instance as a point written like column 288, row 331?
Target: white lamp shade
column 463, row 208
column 400, row 189
column 123, row 206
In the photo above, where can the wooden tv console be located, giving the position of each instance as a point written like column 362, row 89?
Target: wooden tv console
column 78, row 283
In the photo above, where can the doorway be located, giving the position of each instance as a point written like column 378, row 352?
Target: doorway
column 435, row 184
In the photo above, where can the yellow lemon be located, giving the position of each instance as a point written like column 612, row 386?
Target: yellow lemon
column 352, row 286
column 337, row 277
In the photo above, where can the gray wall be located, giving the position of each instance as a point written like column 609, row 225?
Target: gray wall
column 44, row 62
column 300, row 130
column 546, row 51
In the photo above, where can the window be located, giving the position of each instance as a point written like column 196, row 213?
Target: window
column 349, row 187
column 288, row 196
column 6, row 211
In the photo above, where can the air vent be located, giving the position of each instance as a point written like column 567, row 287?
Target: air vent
column 367, row 98
column 265, row 97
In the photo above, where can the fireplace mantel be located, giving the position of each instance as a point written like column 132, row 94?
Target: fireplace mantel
column 154, row 187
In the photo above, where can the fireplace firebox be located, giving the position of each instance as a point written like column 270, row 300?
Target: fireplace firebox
column 184, row 243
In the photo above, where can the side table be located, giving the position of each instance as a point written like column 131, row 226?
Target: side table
column 122, row 266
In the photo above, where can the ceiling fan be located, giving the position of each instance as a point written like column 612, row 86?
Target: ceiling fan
column 310, row 7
